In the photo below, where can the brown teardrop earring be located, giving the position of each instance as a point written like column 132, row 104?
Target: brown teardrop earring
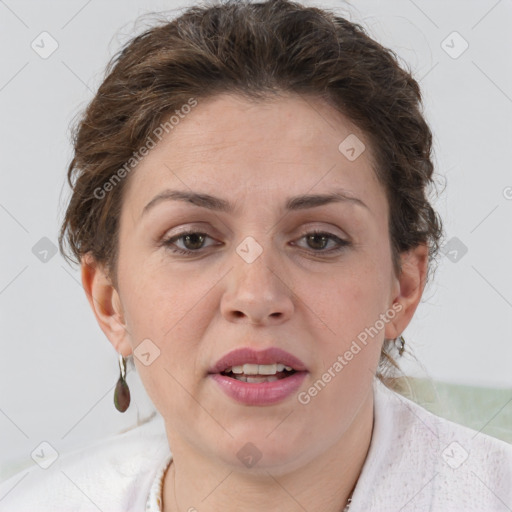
column 122, row 392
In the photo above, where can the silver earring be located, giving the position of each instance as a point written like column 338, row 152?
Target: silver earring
column 402, row 345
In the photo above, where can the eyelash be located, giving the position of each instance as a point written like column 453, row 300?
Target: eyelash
column 342, row 244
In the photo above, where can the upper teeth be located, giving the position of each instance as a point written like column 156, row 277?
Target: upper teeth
column 258, row 369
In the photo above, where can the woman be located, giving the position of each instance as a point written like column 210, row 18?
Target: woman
column 250, row 213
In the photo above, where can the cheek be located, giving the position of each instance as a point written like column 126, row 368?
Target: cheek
column 351, row 308
column 154, row 298
column 161, row 309
column 356, row 296
column 172, row 310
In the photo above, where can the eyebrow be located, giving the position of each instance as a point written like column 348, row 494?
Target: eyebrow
column 300, row 202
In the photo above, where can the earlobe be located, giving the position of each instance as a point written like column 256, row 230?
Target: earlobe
column 105, row 303
column 411, row 283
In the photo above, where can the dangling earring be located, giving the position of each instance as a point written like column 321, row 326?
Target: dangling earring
column 122, row 392
column 402, row 345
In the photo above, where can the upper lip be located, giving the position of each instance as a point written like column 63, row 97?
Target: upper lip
column 244, row 355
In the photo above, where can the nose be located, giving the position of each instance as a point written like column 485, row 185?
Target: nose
column 257, row 293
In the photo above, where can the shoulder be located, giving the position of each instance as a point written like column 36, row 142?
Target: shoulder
column 113, row 474
column 420, row 461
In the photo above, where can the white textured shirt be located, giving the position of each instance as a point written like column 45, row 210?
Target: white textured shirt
column 417, row 462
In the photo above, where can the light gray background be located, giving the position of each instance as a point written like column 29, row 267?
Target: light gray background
column 58, row 371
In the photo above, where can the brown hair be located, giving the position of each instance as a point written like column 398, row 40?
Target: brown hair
column 256, row 50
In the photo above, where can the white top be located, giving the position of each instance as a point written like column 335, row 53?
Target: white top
column 416, row 462
column 154, row 503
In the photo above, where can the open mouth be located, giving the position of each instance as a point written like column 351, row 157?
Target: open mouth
column 259, row 373
column 252, row 383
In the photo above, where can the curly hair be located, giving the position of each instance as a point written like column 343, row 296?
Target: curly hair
column 257, row 50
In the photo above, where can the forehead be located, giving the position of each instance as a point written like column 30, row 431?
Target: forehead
column 233, row 147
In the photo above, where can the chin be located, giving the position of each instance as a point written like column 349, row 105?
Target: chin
column 256, row 451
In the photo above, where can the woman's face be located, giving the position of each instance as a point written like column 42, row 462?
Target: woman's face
column 254, row 278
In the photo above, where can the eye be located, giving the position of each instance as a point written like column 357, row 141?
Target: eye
column 192, row 239
column 194, row 242
column 318, row 240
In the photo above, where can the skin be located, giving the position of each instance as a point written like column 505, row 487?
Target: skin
column 199, row 307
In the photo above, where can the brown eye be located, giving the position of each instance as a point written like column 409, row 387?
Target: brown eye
column 319, row 240
column 193, row 242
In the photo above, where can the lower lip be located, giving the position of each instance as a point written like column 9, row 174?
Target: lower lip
column 259, row 393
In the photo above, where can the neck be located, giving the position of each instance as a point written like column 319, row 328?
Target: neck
column 324, row 484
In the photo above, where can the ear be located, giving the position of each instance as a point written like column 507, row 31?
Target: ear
column 409, row 287
column 105, row 303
